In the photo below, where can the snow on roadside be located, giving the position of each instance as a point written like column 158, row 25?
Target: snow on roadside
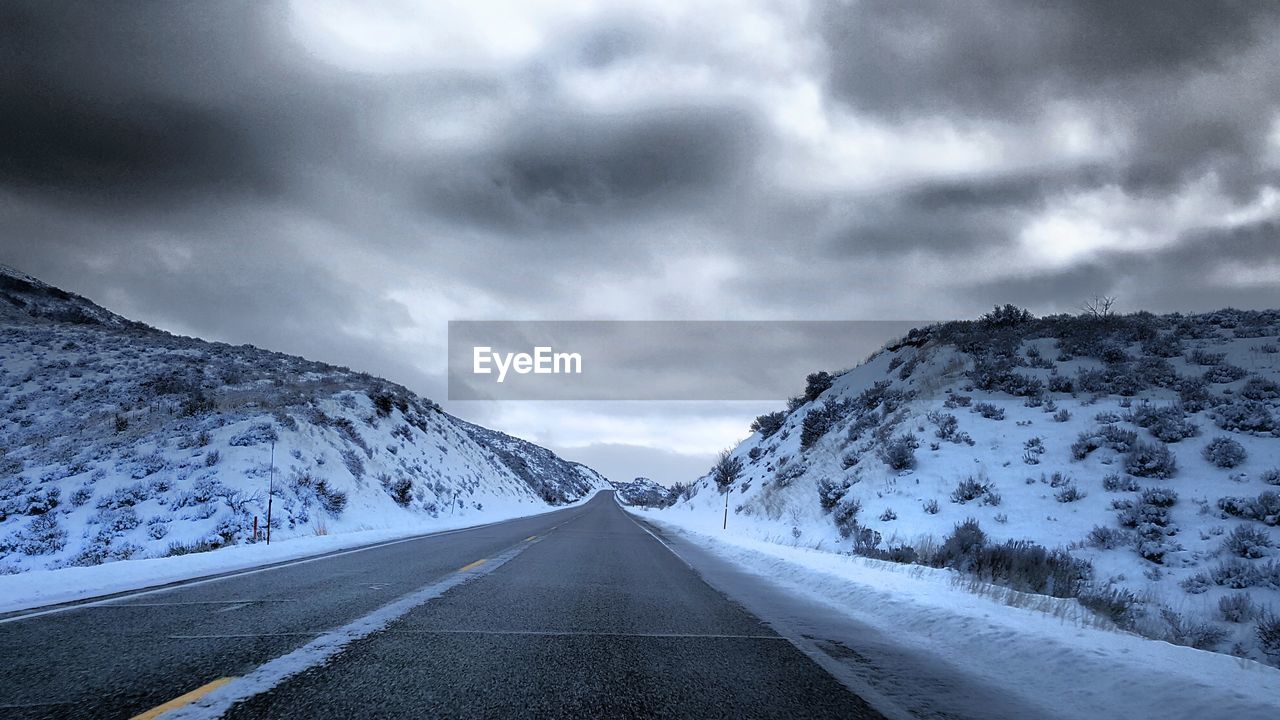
column 40, row 588
column 1044, row 655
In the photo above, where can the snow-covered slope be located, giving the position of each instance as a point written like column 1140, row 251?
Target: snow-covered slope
column 1145, row 450
column 643, row 491
column 121, row 441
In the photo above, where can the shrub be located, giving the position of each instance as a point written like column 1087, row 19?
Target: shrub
column 900, row 453
column 1028, row 567
column 1151, row 461
column 1265, row 507
column 1235, row 573
column 1168, row 424
column 1114, row 482
column 1201, row 357
column 1180, row 631
column 125, row 497
column 1224, row 374
column 332, row 500
column 727, row 470
column 1193, row 394
column 1271, row 476
column 1260, row 388
column 1062, row 415
column 382, row 404
column 82, row 495
column 43, row 535
column 1070, row 493
column 1245, row 416
column 1166, row 345
column 988, row 411
column 1224, row 452
column 1236, row 607
column 1247, row 542
column 1007, row 316
column 211, row 458
column 1268, row 632
column 816, row 384
column 1108, row 538
column 946, row 425
column 930, row 506
column 769, row 424
column 1115, row 604
column 969, row 489
column 960, row 547
column 830, row 491
column 846, row 516
column 401, row 490
column 355, row 465
column 888, row 515
column 788, row 474
column 257, row 434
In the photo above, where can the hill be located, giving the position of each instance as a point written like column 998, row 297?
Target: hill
column 1132, row 462
column 120, row 441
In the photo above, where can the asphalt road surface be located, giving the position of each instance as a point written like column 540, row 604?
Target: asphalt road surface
column 579, row 613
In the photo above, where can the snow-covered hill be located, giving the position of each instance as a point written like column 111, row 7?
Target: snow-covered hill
column 121, row 441
column 1133, row 462
column 643, row 491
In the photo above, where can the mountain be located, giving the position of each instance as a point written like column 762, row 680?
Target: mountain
column 643, row 491
column 119, row 441
column 1130, row 461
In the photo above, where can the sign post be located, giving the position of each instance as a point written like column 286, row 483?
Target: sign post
column 271, row 486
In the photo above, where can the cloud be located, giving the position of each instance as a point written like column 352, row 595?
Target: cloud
column 339, row 179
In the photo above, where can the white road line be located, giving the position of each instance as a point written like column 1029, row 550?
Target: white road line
column 322, row 649
column 585, row 633
column 176, row 603
column 242, row 573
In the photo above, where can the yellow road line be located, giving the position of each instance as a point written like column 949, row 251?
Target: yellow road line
column 531, row 537
column 468, row 566
column 182, row 700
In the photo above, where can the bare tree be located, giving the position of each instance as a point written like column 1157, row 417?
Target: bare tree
column 1099, row 306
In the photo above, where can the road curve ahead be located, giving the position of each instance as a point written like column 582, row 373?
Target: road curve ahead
column 578, row 613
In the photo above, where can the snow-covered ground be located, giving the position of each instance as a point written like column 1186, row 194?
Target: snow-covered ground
column 1142, row 454
column 936, row 633
column 39, row 588
column 121, row 442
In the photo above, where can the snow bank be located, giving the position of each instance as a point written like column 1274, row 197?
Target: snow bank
column 40, row 588
column 1044, row 655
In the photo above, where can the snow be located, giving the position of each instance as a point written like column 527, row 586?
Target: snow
column 40, row 588
column 775, row 499
column 121, row 442
column 1048, row 654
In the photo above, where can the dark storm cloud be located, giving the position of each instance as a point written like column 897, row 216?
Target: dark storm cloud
column 1198, row 80
column 562, row 170
column 232, row 170
column 1194, row 275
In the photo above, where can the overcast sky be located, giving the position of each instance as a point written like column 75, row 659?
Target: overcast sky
column 339, row 178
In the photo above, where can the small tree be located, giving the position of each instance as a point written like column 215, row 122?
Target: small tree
column 816, row 384
column 726, row 470
column 1099, row 306
column 769, row 423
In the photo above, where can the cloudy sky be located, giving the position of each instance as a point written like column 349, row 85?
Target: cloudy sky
column 339, row 178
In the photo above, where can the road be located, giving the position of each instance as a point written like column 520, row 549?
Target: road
column 577, row 613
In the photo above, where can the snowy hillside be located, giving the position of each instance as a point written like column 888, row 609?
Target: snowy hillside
column 1132, row 462
column 643, row 491
column 120, row 441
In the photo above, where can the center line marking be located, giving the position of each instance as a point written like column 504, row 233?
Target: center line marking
column 531, row 537
column 469, row 566
column 322, row 649
column 183, row 700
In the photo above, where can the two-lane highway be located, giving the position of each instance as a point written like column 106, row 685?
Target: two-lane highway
column 576, row 613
